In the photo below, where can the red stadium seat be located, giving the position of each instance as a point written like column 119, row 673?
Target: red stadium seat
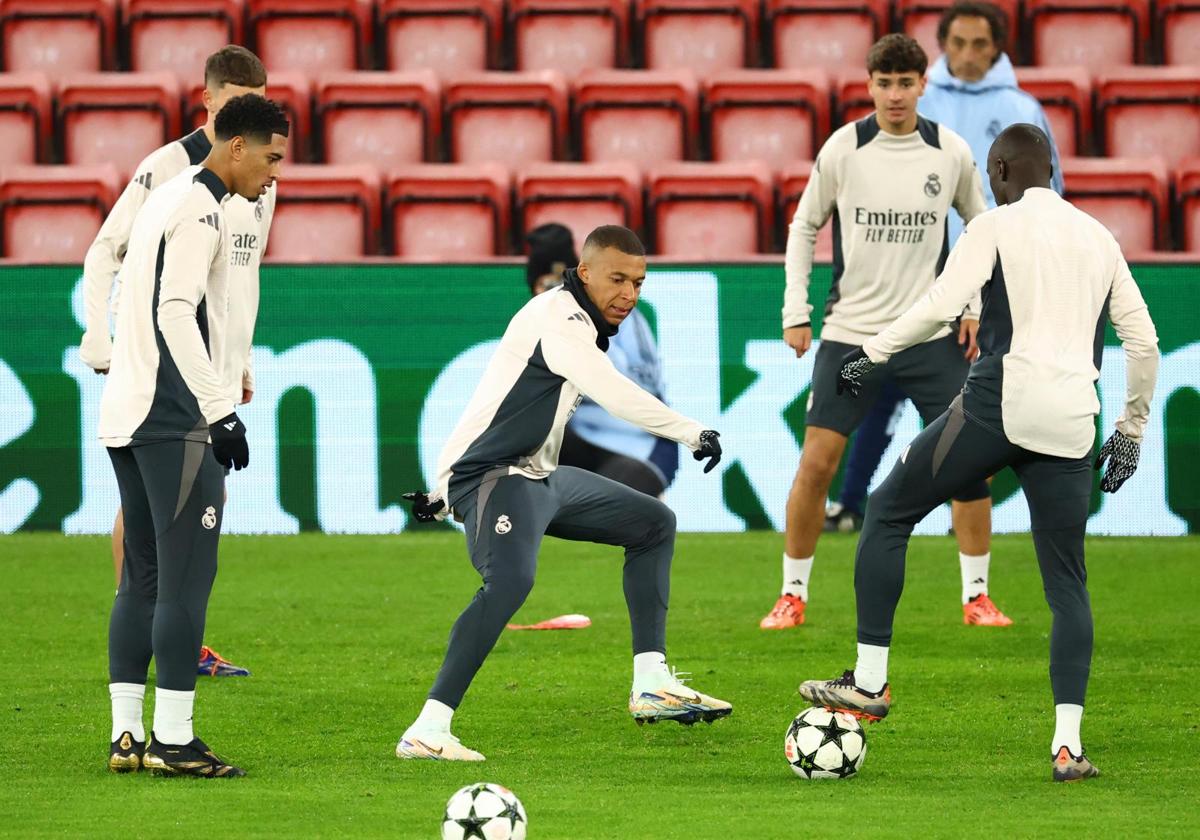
column 1096, row 34
column 508, row 118
column 1187, row 192
column 448, row 211
column 291, row 90
column 642, row 116
column 52, row 213
column 445, row 36
column 833, row 34
column 699, row 35
column 581, row 196
column 1150, row 112
column 385, row 119
column 117, row 118
column 325, row 213
column 58, row 37
column 1066, row 97
column 853, row 99
column 1128, row 195
column 310, row 36
column 178, row 35
column 919, row 19
column 1179, row 24
column 25, row 117
column 710, row 210
column 792, row 181
column 776, row 116
column 569, row 36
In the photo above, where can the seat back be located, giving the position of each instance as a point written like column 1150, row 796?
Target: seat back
column 703, row 36
column 710, row 210
column 117, row 118
column 58, row 37
column 310, row 36
column 569, row 36
column 176, row 36
column 776, row 116
column 385, row 119
column 448, row 212
column 508, row 118
column 52, row 213
column 1150, row 112
column 1179, row 23
column 1096, row 34
column 25, row 117
column 641, row 116
column 1129, row 196
column 853, row 99
column 1065, row 94
column 581, row 196
column 325, row 213
column 832, row 34
column 446, row 36
column 1187, row 192
column 791, row 183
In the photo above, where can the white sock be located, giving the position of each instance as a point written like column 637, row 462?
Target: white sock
column 649, row 670
column 870, row 672
column 173, row 716
column 1067, row 717
column 127, row 710
column 795, row 576
column 435, row 716
column 974, row 574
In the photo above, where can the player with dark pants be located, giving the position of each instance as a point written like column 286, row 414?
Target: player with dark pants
column 871, row 440
column 1050, row 276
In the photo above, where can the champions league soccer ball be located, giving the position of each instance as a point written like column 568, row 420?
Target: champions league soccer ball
column 486, row 812
column 821, row 744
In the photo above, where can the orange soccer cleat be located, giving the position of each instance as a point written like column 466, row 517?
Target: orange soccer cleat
column 981, row 611
column 787, row 612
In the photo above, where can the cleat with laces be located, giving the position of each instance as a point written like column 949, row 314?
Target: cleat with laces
column 434, row 745
column 787, row 612
column 843, row 695
column 1070, row 768
column 193, row 759
column 212, row 664
column 670, row 699
column 982, row 612
column 125, row 754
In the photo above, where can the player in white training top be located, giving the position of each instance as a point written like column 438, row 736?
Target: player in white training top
column 888, row 181
column 230, row 71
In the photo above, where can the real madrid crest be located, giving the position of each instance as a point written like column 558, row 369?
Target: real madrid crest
column 933, row 186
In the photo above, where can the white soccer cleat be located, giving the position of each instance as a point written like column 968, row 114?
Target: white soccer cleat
column 672, row 700
column 434, row 746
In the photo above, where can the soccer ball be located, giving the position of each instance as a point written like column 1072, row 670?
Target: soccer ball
column 821, row 744
column 486, row 812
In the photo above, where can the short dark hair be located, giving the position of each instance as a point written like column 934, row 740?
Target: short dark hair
column 252, row 116
column 549, row 245
column 993, row 14
column 234, row 65
column 897, row 53
column 615, row 236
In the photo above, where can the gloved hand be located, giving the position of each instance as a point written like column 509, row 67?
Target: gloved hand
column 855, row 365
column 229, row 442
column 426, row 507
column 710, row 447
column 1122, row 455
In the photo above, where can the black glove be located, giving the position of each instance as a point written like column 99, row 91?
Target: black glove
column 229, row 442
column 1122, row 455
column 710, row 447
column 855, row 365
column 425, row 507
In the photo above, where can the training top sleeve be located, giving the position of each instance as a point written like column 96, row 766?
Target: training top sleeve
column 969, row 201
column 569, row 350
column 816, row 206
column 1131, row 320
column 192, row 250
column 968, row 268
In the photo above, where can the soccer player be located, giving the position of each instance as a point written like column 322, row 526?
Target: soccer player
column 163, row 402
column 230, row 71
column 499, row 477
column 1051, row 275
column 888, row 180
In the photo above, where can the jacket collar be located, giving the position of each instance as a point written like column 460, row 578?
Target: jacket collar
column 574, row 285
column 211, row 180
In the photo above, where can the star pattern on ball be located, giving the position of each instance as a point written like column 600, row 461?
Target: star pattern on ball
column 511, row 814
column 472, row 825
column 832, row 732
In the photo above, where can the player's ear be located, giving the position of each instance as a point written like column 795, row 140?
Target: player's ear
column 208, row 99
column 237, row 147
column 583, row 271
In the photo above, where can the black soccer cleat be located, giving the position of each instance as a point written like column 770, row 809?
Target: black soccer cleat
column 194, row 759
column 125, row 754
column 843, row 695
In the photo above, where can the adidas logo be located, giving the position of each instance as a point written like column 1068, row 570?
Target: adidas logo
column 577, row 316
column 978, row 580
column 145, row 180
column 230, row 426
column 212, row 219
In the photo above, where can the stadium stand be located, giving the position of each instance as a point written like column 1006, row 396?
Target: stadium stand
column 1187, row 193
column 919, row 19
column 311, row 36
column 1096, row 34
column 1128, row 195
column 776, row 116
column 117, row 118
column 25, row 118
column 508, row 118
column 581, row 196
column 1150, row 111
column 1178, row 25
column 448, row 212
column 58, row 37
column 445, row 36
column 792, row 180
column 853, row 100
column 326, row 213
column 292, row 90
column 710, row 210
column 386, row 119
column 643, row 117
column 176, row 36
column 833, row 34
column 703, row 36
column 51, row 213
column 1066, row 97
column 569, row 36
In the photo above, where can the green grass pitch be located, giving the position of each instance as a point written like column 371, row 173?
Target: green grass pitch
column 344, row 635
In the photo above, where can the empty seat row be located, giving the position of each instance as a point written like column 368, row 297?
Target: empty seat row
column 454, row 36
column 464, row 212
column 640, row 116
